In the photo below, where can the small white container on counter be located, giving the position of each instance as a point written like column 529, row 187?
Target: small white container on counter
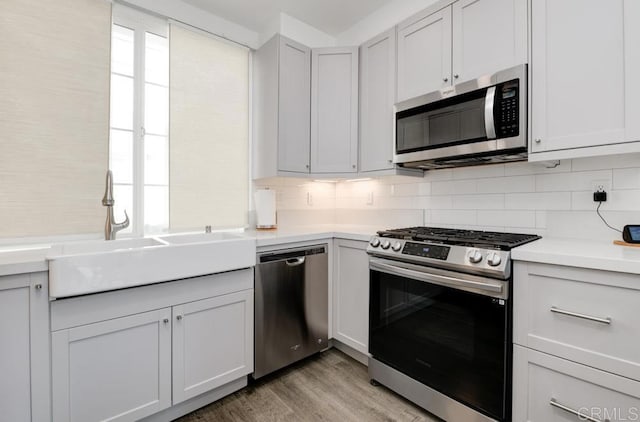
column 265, row 200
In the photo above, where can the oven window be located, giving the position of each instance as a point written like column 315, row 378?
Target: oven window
column 448, row 122
column 453, row 341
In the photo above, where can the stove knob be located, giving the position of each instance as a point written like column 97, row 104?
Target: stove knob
column 385, row 244
column 396, row 246
column 375, row 242
column 494, row 259
column 475, row 256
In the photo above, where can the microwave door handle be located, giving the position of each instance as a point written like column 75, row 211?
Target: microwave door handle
column 489, row 121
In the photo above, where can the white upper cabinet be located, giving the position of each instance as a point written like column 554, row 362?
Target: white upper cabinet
column 282, row 101
column 465, row 40
column 377, row 96
column 424, row 54
column 488, row 36
column 585, row 62
column 334, row 110
column 293, row 107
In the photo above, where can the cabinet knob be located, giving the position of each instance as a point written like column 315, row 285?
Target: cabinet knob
column 179, row 317
column 353, row 165
column 390, row 161
column 538, row 140
column 38, row 286
column 307, row 165
column 456, row 76
column 166, row 320
column 445, row 79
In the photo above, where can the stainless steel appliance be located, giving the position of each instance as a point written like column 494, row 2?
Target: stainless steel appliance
column 291, row 306
column 440, row 319
column 479, row 121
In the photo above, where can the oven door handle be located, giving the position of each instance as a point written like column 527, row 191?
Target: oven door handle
column 441, row 280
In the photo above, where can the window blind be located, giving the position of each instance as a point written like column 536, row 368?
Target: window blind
column 208, row 135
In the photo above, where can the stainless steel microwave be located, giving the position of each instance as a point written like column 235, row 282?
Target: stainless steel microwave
column 480, row 121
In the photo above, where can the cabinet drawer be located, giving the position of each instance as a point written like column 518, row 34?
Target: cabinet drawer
column 586, row 316
column 550, row 389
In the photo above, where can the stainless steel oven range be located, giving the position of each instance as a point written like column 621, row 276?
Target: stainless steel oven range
column 440, row 319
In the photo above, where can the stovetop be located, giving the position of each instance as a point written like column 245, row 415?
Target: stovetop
column 471, row 238
column 469, row 251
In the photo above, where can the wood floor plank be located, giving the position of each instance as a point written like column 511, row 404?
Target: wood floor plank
column 330, row 386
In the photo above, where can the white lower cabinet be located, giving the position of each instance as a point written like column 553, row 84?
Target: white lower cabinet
column 212, row 343
column 551, row 389
column 24, row 348
column 576, row 354
column 188, row 338
column 351, row 294
column 116, row 370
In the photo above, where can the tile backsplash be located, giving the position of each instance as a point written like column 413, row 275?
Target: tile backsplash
column 551, row 199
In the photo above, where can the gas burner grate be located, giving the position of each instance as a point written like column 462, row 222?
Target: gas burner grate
column 473, row 238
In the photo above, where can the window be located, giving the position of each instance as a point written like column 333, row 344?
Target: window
column 138, row 144
column 179, row 125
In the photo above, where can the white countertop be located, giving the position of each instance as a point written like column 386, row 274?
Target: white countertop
column 22, row 259
column 598, row 255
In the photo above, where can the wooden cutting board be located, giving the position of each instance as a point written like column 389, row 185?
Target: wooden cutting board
column 623, row 243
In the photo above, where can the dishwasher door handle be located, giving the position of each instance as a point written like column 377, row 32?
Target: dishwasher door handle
column 295, row 261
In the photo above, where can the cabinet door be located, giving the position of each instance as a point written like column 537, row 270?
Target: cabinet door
column 377, row 96
column 24, row 348
column 334, row 110
column 15, row 381
column 212, row 343
column 550, row 389
column 424, row 55
column 294, row 102
column 488, row 36
column 585, row 88
column 116, row 370
column 351, row 294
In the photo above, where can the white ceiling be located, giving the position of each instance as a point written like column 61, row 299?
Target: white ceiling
column 329, row 16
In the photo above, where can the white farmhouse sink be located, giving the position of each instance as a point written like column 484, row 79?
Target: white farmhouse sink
column 95, row 266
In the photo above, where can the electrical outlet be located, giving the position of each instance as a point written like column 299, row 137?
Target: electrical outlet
column 309, row 199
column 370, row 198
column 601, row 185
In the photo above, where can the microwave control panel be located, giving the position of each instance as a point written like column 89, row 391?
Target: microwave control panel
column 507, row 109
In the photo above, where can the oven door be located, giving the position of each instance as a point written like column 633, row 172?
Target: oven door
column 449, row 331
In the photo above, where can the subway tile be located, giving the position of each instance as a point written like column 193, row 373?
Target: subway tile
column 541, row 219
column 432, row 175
column 453, row 187
column 626, row 178
column 467, row 217
column 405, row 189
column 509, row 218
column 538, row 201
column 506, row 184
column 567, row 182
column 526, row 168
column 606, row 162
column 434, row 202
column 617, row 200
column 493, row 170
column 489, row 201
column 424, row 188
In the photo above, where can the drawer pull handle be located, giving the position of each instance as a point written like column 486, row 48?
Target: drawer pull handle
column 583, row 316
column 581, row 416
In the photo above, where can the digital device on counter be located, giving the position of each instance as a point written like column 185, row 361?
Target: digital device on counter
column 631, row 233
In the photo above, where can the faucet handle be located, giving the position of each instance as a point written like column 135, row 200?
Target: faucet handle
column 123, row 225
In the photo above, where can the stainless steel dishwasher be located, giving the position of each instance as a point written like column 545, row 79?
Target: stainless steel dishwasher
column 291, row 306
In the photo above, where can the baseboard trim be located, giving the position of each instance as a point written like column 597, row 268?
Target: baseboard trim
column 351, row 352
column 181, row 409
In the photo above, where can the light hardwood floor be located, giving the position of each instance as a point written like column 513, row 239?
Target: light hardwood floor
column 330, row 386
